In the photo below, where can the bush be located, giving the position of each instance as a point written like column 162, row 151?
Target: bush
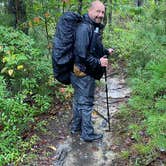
column 22, row 65
column 142, row 44
column 24, row 91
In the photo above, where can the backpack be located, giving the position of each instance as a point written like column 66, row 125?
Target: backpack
column 63, row 44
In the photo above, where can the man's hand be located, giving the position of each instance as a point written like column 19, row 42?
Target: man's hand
column 111, row 50
column 104, row 61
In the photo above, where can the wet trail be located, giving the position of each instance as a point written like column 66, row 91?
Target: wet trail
column 72, row 151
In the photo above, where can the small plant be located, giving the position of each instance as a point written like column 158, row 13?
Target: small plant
column 142, row 149
column 125, row 154
column 41, row 126
column 135, row 131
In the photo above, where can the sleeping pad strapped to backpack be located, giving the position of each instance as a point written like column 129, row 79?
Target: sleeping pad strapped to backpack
column 63, row 44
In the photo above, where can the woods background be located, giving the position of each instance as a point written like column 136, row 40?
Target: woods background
column 135, row 28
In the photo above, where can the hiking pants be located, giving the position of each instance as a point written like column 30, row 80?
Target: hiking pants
column 83, row 99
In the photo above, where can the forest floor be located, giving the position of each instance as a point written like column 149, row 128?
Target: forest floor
column 57, row 147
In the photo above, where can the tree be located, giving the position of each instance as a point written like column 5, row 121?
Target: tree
column 79, row 6
column 139, row 3
column 108, row 13
column 18, row 9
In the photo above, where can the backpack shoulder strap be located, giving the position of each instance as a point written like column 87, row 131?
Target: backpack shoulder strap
column 91, row 35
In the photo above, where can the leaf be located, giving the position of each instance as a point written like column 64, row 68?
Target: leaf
column 19, row 67
column 1, row 48
column 10, row 72
column 4, row 70
column 4, row 59
column 36, row 20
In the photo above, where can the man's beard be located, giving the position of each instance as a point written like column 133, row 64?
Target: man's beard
column 98, row 19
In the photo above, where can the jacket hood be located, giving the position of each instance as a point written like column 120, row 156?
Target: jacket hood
column 86, row 18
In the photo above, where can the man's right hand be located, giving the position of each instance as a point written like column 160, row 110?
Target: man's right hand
column 104, row 61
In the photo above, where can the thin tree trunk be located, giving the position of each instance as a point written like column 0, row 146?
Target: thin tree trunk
column 47, row 35
column 18, row 9
column 79, row 6
column 46, row 27
column 156, row 2
column 110, row 13
column 139, row 3
column 105, row 16
column 63, row 9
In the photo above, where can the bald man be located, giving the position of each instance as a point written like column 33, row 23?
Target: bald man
column 89, row 66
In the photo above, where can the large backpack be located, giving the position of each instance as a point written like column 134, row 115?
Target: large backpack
column 63, row 44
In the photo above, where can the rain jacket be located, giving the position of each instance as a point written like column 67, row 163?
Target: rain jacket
column 88, row 48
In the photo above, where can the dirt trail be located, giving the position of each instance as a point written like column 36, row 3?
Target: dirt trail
column 74, row 152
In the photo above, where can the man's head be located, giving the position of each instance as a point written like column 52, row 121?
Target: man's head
column 96, row 11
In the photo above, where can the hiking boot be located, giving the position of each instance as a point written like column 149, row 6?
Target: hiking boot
column 92, row 137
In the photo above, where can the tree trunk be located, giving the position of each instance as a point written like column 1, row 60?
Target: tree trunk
column 79, row 6
column 139, row 3
column 110, row 13
column 156, row 1
column 18, row 9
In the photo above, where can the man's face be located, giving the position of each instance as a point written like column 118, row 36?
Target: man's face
column 96, row 12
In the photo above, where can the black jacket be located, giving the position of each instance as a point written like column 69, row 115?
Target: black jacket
column 88, row 48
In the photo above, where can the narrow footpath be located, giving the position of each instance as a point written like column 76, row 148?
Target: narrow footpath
column 74, row 152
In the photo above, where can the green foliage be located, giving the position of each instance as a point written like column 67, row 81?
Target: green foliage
column 135, row 131
column 2, row 87
column 25, row 80
column 156, row 128
column 142, row 149
column 15, row 116
column 151, row 101
column 125, row 154
column 22, row 65
column 142, row 42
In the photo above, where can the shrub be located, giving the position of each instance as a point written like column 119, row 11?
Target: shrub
column 24, row 91
column 142, row 44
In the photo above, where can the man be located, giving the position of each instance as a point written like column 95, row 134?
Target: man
column 89, row 64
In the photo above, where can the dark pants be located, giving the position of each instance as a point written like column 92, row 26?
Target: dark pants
column 83, row 99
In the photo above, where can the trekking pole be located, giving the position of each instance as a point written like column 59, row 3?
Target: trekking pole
column 106, row 90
